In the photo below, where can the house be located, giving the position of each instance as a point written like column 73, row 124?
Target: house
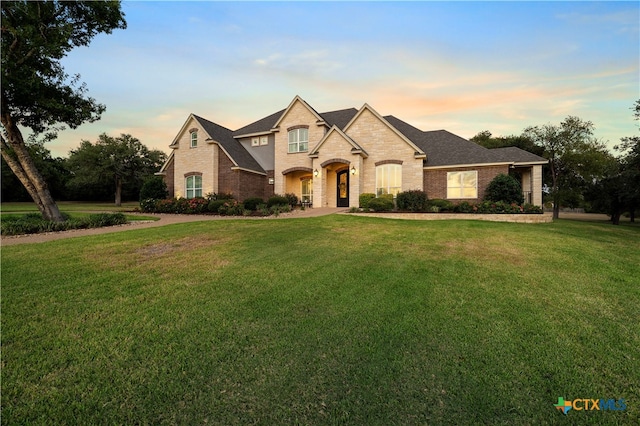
column 328, row 159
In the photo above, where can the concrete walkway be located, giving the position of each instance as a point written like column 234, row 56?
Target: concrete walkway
column 164, row 219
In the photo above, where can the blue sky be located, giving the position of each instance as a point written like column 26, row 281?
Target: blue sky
column 460, row 66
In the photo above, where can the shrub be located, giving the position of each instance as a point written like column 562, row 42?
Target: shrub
column 221, row 196
column 365, row 198
column 504, row 188
column 277, row 200
column 253, row 203
column 382, row 204
column 33, row 223
column 214, row 205
column 231, row 208
column 279, row 208
column 464, row 207
column 530, row 208
column 412, row 201
column 155, row 188
column 292, row 199
column 438, row 205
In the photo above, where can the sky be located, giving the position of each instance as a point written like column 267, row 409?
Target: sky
column 461, row 66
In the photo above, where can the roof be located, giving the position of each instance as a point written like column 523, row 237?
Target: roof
column 264, row 125
column 233, row 148
column 444, row 148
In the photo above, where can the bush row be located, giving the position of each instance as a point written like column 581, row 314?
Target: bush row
column 33, row 223
column 223, row 205
column 417, row 201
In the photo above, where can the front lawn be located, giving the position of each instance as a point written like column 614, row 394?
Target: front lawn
column 330, row 320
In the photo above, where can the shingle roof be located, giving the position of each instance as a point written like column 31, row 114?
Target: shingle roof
column 443, row 148
column 236, row 151
column 339, row 118
column 262, row 125
column 518, row 155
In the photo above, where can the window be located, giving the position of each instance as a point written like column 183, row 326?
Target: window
column 194, row 139
column 194, row 186
column 264, row 140
column 388, row 179
column 462, row 184
column 306, row 191
column 298, row 140
column 255, row 141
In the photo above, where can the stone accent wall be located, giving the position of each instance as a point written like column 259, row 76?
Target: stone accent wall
column 203, row 159
column 298, row 115
column 435, row 181
column 383, row 144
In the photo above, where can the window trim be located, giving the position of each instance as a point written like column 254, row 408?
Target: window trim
column 255, row 142
column 462, row 187
column 297, row 143
column 196, row 191
column 193, row 143
column 309, row 182
column 387, row 167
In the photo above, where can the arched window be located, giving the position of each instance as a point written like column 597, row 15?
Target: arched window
column 194, row 139
column 388, row 179
column 298, row 140
column 193, row 185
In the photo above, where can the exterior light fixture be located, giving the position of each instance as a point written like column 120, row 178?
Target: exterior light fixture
column 315, row 173
column 353, row 170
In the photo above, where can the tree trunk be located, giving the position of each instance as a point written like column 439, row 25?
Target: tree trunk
column 118, row 191
column 19, row 160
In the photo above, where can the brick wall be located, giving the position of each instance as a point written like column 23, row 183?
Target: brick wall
column 169, row 177
column 201, row 159
column 435, row 180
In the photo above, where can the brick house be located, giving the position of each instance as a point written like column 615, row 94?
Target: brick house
column 329, row 159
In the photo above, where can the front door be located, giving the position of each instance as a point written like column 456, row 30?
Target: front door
column 343, row 188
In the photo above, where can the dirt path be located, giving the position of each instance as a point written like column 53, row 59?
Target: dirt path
column 165, row 219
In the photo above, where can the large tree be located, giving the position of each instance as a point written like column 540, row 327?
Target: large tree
column 575, row 157
column 37, row 94
column 113, row 164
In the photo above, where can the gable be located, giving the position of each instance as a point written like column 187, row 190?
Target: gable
column 336, row 141
column 299, row 107
column 369, row 127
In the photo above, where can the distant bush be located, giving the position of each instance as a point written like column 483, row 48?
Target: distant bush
column 412, row 201
column 253, row 203
column 504, row 188
column 382, row 204
column 214, row 205
column 154, row 187
column 365, row 198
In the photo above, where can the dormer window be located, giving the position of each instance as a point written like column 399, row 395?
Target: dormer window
column 299, row 139
column 194, row 139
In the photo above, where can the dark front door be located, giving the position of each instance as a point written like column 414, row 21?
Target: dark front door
column 343, row 188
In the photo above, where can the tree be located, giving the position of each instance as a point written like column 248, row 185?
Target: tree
column 36, row 92
column 113, row 163
column 52, row 169
column 487, row 140
column 576, row 158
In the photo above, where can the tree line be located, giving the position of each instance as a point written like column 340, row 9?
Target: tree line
column 582, row 172
column 112, row 168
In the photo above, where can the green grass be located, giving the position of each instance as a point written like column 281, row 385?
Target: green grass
column 330, row 320
column 67, row 206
